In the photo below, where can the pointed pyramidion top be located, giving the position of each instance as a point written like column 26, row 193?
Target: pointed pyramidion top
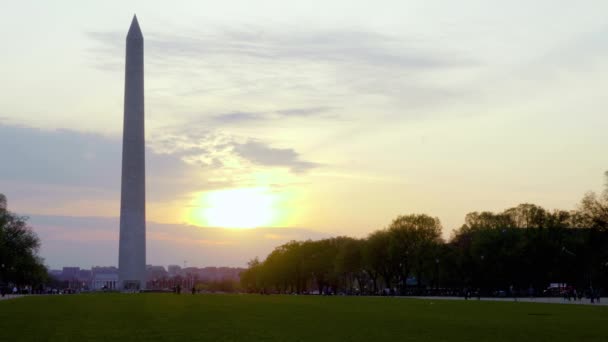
column 134, row 30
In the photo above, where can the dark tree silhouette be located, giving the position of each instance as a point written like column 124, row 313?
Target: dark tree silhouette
column 525, row 246
column 19, row 260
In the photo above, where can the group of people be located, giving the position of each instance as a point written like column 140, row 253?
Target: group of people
column 177, row 289
column 569, row 294
column 572, row 294
column 6, row 290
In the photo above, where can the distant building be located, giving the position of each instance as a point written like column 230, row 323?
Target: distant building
column 70, row 273
column 84, row 276
column 104, row 269
column 71, row 278
column 174, row 270
column 105, row 281
column 155, row 272
column 190, row 271
column 157, row 277
column 104, row 278
column 220, row 273
column 56, row 274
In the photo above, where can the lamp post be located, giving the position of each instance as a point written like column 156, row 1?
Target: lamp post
column 481, row 283
column 570, row 253
column 437, row 273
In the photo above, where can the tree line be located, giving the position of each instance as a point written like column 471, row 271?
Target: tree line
column 20, row 264
column 525, row 248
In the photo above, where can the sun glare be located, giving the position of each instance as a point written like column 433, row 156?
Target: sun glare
column 235, row 208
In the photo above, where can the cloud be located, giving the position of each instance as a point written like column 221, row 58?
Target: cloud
column 342, row 46
column 66, row 165
column 244, row 118
column 67, row 157
column 262, row 154
column 226, row 151
column 238, row 118
column 71, row 159
column 310, row 71
column 303, row 112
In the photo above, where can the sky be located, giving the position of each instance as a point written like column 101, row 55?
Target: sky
column 308, row 118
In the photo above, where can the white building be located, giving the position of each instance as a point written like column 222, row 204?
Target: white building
column 104, row 277
column 103, row 281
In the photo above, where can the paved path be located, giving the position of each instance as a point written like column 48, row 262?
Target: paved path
column 9, row 297
column 552, row 300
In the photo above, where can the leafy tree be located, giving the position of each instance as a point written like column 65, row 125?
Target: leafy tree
column 19, row 245
column 377, row 259
column 527, row 215
column 593, row 209
column 486, row 219
column 349, row 264
column 524, row 246
column 251, row 278
column 414, row 241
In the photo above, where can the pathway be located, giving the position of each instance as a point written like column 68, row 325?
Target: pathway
column 552, row 300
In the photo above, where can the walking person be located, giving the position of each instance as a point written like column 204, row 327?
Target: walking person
column 512, row 290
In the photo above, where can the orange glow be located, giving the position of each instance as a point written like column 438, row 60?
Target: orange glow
column 236, row 208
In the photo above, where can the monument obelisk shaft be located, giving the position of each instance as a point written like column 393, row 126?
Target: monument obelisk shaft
column 132, row 249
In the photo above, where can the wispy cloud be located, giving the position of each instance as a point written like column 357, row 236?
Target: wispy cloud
column 244, row 118
column 230, row 152
column 342, row 46
column 263, row 154
column 303, row 112
column 238, row 118
column 311, row 71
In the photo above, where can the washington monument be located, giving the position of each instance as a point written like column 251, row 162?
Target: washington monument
column 132, row 249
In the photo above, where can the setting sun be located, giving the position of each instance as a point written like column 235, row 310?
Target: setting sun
column 235, row 208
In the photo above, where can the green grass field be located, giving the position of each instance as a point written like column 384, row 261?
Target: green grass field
column 168, row 317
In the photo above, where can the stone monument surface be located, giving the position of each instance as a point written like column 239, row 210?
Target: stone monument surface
column 132, row 245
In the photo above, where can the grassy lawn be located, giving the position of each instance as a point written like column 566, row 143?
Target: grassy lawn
column 168, row 317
